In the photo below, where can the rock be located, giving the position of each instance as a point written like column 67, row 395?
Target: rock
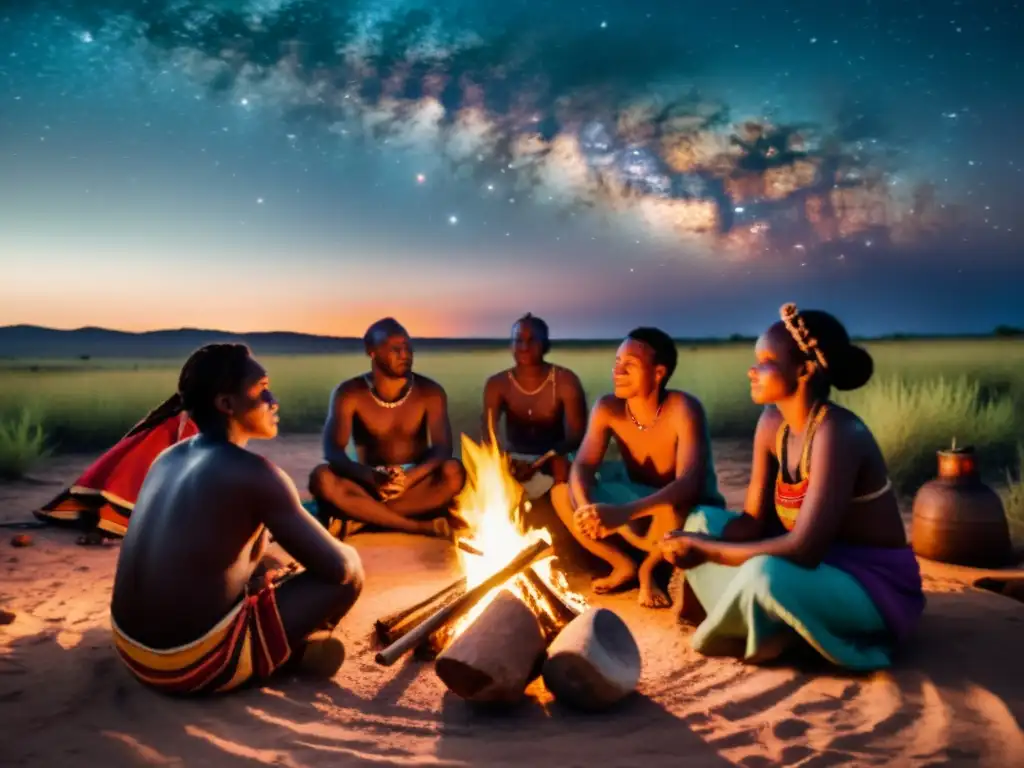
column 21, row 540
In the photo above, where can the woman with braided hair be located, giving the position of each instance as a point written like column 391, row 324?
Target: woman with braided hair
column 195, row 608
column 820, row 550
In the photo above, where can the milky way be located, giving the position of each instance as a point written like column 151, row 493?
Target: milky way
column 599, row 115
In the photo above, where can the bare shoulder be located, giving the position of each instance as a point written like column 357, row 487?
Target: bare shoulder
column 233, row 472
column 566, row 380
column 843, row 424
column 684, row 406
column 498, row 381
column 429, row 388
column 355, row 385
column 607, row 408
column 264, row 480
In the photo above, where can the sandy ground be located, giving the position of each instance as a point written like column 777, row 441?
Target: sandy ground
column 957, row 698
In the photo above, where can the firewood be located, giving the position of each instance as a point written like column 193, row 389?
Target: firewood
column 552, row 611
column 491, row 661
column 460, row 607
column 594, row 662
column 400, row 623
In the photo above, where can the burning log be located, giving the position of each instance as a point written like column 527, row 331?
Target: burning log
column 459, row 607
column 552, row 612
column 398, row 624
column 493, row 659
column 594, row 662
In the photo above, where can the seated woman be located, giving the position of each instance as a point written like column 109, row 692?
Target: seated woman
column 192, row 609
column 820, row 551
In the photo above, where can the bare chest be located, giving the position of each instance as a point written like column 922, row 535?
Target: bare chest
column 649, row 454
column 376, row 423
column 540, row 404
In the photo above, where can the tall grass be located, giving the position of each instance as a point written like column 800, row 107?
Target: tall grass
column 912, row 420
column 1013, row 497
column 923, row 396
column 22, row 444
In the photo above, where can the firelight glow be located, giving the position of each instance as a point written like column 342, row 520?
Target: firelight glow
column 490, row 504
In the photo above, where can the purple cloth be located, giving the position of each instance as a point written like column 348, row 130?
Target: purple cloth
column 892, row 579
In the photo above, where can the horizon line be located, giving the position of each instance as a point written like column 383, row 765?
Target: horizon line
column 1011, row 331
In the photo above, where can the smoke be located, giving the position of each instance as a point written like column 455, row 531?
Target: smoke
column 580, row 117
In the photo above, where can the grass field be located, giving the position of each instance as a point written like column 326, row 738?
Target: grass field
column 924, row 394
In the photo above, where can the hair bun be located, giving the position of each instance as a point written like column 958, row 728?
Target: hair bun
column 850, row 368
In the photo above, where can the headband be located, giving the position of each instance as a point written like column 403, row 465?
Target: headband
column 798, row 330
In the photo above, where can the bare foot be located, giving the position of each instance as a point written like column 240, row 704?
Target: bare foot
column 614, row 581
column 322, row 656
column 652, row 596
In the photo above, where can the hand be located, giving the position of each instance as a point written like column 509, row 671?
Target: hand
column 522, row 471
column 394, row 486
column 397, row 476
column 683, row 549
column 379, row 478
column 598, row 521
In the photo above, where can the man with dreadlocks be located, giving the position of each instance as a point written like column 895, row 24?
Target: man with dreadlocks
column 388, row 445
column 544, row 407
column 665, row 472
column 194, row 608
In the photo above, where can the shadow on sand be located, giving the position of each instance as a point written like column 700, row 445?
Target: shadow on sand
column 956, row 699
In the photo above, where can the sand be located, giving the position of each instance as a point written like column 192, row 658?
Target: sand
column 957, row 698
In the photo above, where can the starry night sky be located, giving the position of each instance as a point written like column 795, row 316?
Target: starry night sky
column 313, row 165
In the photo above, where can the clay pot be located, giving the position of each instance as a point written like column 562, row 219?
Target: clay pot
column 957, row 518
column 594, row 662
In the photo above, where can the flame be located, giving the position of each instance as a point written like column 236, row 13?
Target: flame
column 491, row 503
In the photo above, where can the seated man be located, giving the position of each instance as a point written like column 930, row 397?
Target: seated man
column 666, row 468
column 544, row 406
column 188, row 615
column 402, row 475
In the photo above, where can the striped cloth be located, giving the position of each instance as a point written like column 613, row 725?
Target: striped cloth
column 249, row 643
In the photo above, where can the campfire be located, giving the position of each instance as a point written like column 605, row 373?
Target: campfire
column 490, row 629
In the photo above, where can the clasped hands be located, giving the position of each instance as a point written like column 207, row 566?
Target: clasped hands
column 598, row 521
column 390, row 482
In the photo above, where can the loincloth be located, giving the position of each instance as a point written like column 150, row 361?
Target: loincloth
column 248, row 643
column 541, row 482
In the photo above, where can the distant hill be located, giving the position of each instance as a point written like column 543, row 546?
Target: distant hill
column 33, row 341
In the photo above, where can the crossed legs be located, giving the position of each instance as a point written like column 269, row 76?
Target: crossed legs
column 428, row 497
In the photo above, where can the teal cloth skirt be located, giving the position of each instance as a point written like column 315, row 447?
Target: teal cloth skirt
column 767, row 603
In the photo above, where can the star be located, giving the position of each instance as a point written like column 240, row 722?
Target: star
column 259, row 201
column 420, row 178
column 453, row 219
